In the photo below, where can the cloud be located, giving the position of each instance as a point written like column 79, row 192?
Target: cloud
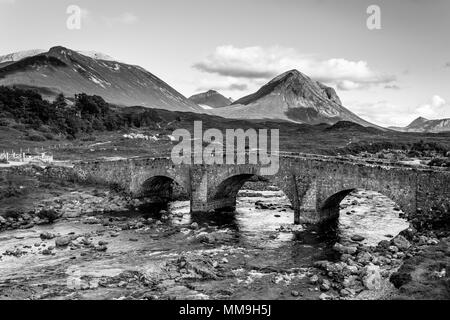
column 435, row 109
column 7, row 1
column 265, row 63
column 382, row 113
column 385, row 113
column 125, row 18
column 392, row 86
column 237, row 87
column 447, row 65
column 221, row 84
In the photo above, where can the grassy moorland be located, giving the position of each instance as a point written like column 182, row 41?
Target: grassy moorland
column 88, row 127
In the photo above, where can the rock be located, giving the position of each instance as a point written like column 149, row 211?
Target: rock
column 224, row 260
column 62, row 241
column 345, row 257
column 345, row 293
column 101, row 248
column 357, row 238
column 321, row 264
column 372, row 277
column 350, row 281
column 46, row 252
column 409, row 233
column 383, row 245
column 194, row 226
column 324, row 296
column 401, row 243
column 344, row 249
column 46, row 236
column 314, row 279
column 139, row 225
column 393, row 249
column 352, row 269
column 295, row 293
column 363, row 258
column 71, row 213
column 325, row 286
column 3, row 220
column 50, row 214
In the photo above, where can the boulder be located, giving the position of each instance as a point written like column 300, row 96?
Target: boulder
column 62, row 241
column 372, row 277
column 401, row 243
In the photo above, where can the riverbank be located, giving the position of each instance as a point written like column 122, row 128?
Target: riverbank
column 63, row 240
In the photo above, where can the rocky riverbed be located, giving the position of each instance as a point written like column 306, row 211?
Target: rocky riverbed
column 81, row 242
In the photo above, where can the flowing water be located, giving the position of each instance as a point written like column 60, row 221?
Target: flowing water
column 257, row 253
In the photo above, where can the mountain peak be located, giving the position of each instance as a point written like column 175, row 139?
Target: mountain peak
column 293, row 96
column 62, row 70
column 210, row 98
column 418, row 122
column 288, row 75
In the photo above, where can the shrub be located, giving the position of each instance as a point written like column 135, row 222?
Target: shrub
column 440, row 162
column 35, row 137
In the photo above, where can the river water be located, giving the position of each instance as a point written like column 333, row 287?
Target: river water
column 252, row 253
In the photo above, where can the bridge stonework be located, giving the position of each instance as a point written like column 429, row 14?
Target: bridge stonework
column 315, row 185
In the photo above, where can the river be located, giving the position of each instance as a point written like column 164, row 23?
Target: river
column 252, row 253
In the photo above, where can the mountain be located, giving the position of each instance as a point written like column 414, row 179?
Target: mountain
column 211, row 99
column 16, row 56
column 424, row 125
column 295, row 97
column 61, row 70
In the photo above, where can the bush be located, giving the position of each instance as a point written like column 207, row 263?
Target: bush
column 49, row 136
column 14, row 214
column 440, row 162
column 36, row 137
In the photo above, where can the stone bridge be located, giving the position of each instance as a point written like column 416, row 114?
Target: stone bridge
column 314, row 184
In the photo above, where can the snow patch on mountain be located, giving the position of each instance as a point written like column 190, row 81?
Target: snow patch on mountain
column 16, row 56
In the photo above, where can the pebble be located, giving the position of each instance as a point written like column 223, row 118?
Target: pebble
column 357, row 238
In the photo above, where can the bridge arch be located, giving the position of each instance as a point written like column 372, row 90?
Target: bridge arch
column 329, row 208
column 225, row 193
column 160, row 187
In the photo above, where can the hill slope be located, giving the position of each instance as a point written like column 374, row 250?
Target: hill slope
column 61, row 70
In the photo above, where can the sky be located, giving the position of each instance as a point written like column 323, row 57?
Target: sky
column 388, row 76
